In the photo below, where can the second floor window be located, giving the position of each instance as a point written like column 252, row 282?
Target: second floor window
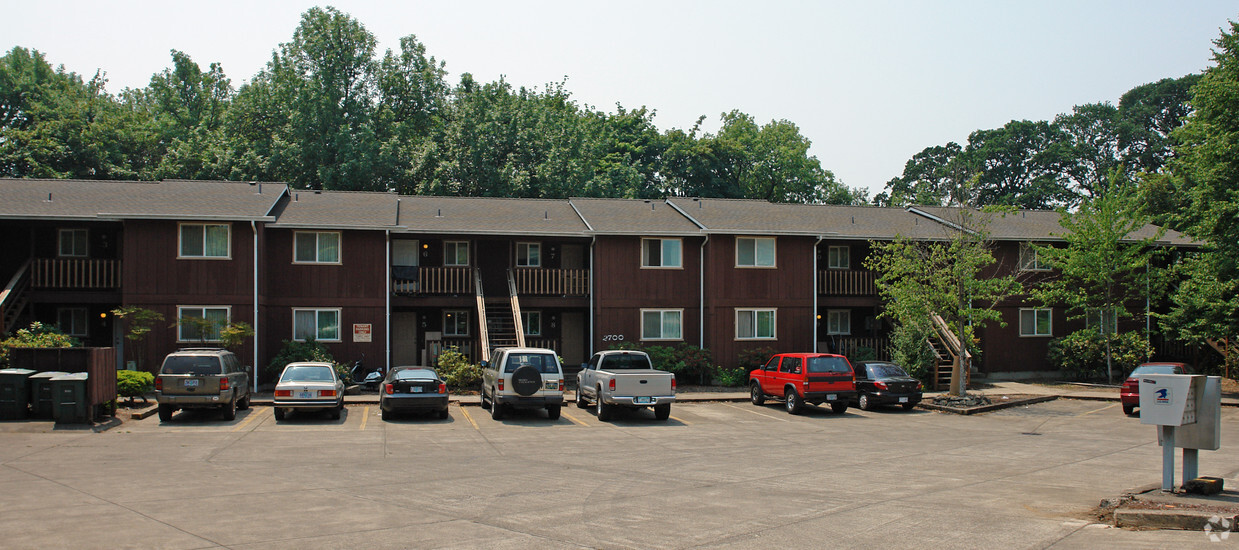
column 837, row 258
column 754, row 252
column 204, row 240
column 456, row 253
column 1030, row 260
column 528, row 254
column 200, row 323
column 316, row 248
column 318, row 324
column 73, row 243
column 661, row 253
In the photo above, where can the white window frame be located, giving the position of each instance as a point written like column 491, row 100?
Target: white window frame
column 646, row 242
column 836, row 329
column 180, row 241
column 753, row 314
column 455, row 247
column 528, row 246
column 180, row 329
column 317, row 328
column 835, row 253
column 453, row 333
column 532, row 328
column 774, row 253
column 1096, row 317
column 73, row 329
column 1030, row 260
column 1025, row 332
column 317, row 235
column 662, row 321
column 74, row 235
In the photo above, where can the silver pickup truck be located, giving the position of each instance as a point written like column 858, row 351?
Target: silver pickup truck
column 624, row 378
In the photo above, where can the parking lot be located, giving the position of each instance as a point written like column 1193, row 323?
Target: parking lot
column 714, row 475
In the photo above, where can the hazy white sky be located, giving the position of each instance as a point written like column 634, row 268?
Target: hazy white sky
column 869, row 82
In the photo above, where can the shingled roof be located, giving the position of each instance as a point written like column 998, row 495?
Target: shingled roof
column 633, row 217
column 116, row 200
column 754, row 217
column 1035, row 225
column 339, row 210
column 490, row 216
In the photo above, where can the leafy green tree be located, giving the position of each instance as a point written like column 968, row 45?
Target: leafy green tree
column 233, row 335
column 1151, row 113
column 139, row 322
column 934, row 176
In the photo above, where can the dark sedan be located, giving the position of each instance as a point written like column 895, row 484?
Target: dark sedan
column 883, row 383
column 413, row 389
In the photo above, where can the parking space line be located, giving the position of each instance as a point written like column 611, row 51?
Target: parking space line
column 469, row 418
column 255, row 412
column 573, row 419
column 682, row 421
column 756, row 413
column 365, row 415
column 1106, row 408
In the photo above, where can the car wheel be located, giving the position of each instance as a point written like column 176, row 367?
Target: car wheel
column 794, row 402
column 230, row 410
column 662, row 412
column 864, row 403
column 581, row 402
column 496, row 410
column 756, row 394
column 908, row 406
column 603, row 409
column 482, row 398
column 385, row 414
column 838, row 407
column 165, row 413
column 244, row 403
column 552, row 412
column 1129, row 409
column 443, row 413
column 335, row 412
column 279, row 414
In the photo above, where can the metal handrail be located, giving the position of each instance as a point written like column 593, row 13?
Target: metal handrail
column 517, row 318
column 484, row 333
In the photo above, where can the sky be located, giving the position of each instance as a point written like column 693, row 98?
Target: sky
column 869, row 83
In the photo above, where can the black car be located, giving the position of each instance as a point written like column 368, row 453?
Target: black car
column 413, row 389
column 884, row 383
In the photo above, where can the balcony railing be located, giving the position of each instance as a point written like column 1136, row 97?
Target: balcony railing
column 433, row 280
column 854, row 347
column 552, row 282
column 846, row 282
column 75, row 274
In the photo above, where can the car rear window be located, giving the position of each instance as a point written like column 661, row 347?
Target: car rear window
column 837, row 365
column 886, row 371
column 307, row 373
column 413, row 374
column 545, row 363
column 191, row 364
column 1157, row 369
column 627, row 361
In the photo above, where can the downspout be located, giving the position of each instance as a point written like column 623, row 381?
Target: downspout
column 816, row 322
column 701, row 322
column 593, row 285
column 387, row 309
column 254, row 374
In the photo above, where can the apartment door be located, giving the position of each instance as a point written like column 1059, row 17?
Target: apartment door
column 404, row 338
column 573, row 336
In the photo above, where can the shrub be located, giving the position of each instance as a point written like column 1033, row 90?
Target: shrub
column 753, row 358
column 456, row 370
column 37, row 335
column 1082, row 354
column 690, row 364
column 862, row 353
column 308, row 350
column 134, row 383
column 734, row 377
column 910, row 350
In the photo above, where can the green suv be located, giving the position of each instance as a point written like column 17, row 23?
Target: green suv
column 202, row 378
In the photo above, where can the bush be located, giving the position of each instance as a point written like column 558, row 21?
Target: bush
column 753, row 358
column 910, row 350
column 690, row 364
column 1082, row 354
column 37, row 335
column 308, row 350
column 732, row 378
column 134, row 383
column 456, row 370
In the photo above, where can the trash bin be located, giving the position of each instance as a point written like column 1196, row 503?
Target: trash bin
column 42, row 400
column 13, row 398
column 70, row 396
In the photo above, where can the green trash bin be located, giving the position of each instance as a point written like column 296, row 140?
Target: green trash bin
column 42, row 400
column 13, row 398
column 70, row 396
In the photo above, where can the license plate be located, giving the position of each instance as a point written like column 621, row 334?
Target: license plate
column 305, row 395
column 417, row 389
column 643, row 400
column 830, row 397
column 903, row 399
column 552, row 385
column 191, row 383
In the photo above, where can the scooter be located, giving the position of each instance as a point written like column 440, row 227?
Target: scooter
column 364, row 377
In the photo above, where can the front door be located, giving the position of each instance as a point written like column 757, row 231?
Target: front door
column 404, row 339
column 572, row 334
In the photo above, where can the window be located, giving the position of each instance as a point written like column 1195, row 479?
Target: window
column 533, row 322
column 200, row 323
column 456, row 253
column 661, row 324
column 661, row 253
column 316, row 248
column 1030, row 260
column 754, row 252
column 205, row 240
column 837, row 257
column 1035, row 322
column 73, row 243
column 72, row 321
column 528, row 255
column 1106, row 322
column 755, row 324
column 322, row 325
column 456, row 323
column 839, row 321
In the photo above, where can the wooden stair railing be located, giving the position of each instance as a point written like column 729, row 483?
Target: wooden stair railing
column 950, row 350
column 484, row 336
column 13, row 298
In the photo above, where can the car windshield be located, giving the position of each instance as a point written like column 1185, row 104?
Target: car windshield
column 1157, row 369
column 415, row 374
column 836, row 365
column 190, row 364
column 307, row 373
column 886, row 370
column 545, row 363
column 627, row 361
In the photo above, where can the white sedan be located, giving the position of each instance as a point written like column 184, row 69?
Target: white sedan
column 309, row 386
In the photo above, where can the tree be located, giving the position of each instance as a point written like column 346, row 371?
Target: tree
column 1151, row 113
column 934, row 176
column 233, row 334
column 139, row 322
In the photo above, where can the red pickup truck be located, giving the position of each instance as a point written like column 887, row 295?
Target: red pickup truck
column 799, row 378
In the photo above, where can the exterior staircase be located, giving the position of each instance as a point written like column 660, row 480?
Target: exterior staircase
column 949, row 351
column 13, row 299
column 499, row 318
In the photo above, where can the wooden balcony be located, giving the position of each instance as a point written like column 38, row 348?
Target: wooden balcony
column 552, row 282
column 75, row 274
column 433, row 280
column 846, row 282
column 852, row 346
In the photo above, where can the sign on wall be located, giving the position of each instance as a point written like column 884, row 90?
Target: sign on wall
column 362, row 332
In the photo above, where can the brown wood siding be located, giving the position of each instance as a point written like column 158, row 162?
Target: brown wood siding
column 622, row 288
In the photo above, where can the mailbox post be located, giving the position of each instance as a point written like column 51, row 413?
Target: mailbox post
column 1187, row 410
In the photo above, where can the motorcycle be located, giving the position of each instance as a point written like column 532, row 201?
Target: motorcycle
column 364, row 377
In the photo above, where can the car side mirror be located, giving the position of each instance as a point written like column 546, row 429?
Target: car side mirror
column 485, row 364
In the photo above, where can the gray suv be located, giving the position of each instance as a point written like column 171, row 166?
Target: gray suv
column 202, row 378
column 523, row 378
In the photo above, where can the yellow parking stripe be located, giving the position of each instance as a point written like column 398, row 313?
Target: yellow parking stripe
column 1106, row 408
column 365, row 415
column 682, row 421
column 470, row 419
column 254, row 413
column 573, row 419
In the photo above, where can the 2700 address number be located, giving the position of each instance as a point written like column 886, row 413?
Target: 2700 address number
column 612, row 337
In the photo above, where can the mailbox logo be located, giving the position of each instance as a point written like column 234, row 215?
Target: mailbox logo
column 1162, row 396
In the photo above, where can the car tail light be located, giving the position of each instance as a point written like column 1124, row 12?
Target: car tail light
column 283, row 393
column 919, row 386
column 388, row 388
column 561, row 384
column 611, row 385
column 500, row 384
column 223, row 383
column 881, row 385
column 672, row 384
column 443, row 387
column 158, row 383
column 326, row 393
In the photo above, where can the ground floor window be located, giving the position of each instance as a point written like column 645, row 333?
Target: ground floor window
column 661, row 324
column 72, row 321
column 1036, row 322
column 200, row 323
column 755, row 324
column 322, row 325
column 456, row 323
column 533, row 322
column 839, row 322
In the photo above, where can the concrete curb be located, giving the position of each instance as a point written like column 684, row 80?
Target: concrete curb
column 987, row 408
column 1185, row 520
